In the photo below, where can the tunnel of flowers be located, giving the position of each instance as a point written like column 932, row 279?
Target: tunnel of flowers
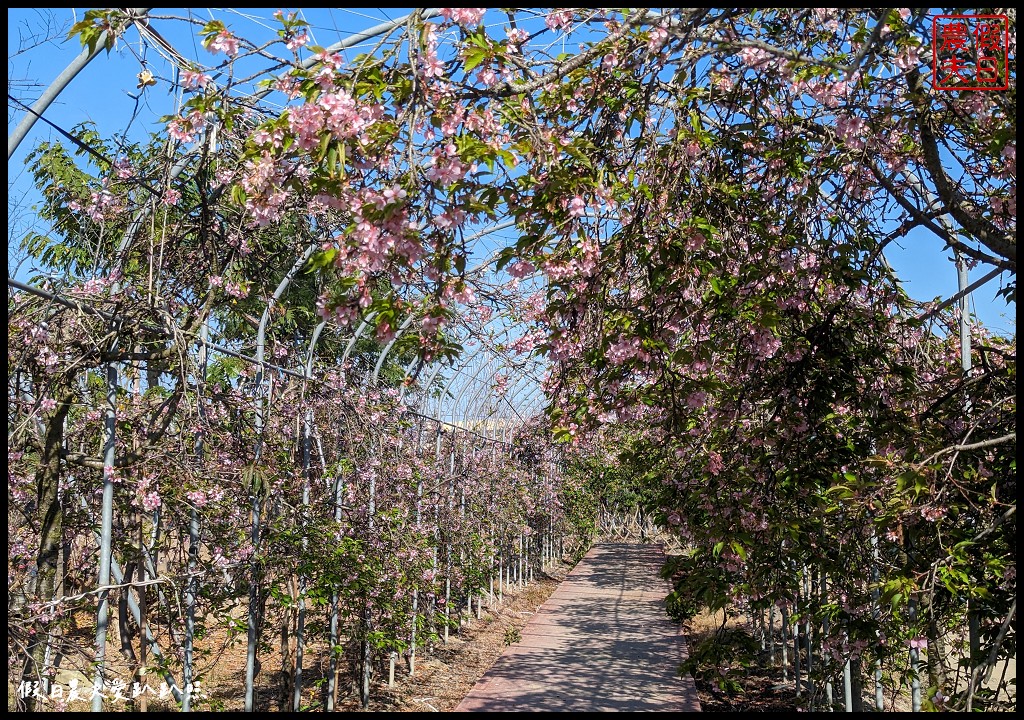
column 354, row 326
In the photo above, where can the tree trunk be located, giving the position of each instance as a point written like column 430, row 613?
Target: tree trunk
column 50, row 517
column 284, row 697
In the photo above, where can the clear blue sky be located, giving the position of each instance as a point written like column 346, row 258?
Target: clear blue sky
column 105, row 93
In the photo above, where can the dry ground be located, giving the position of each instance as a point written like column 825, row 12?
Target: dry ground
column 759, row 686
column 445, row 673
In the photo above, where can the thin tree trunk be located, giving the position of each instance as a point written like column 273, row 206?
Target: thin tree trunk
column 124, row 631
column 50, row 517
column 140, row 675
column 284, row 698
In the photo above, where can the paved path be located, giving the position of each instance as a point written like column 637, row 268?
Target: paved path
column 601, row 642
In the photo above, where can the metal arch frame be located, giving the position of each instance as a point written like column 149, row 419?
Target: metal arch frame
column 537, row 398
column 314, row 339
column 504, row 331
column 355, row 338
column 462, row 392
column 512, row 395
column 474, row 409
column 477, row 400
column 261, row 330
column 460, row 370
column 440, row 400
column 408, row 321
column 469, row 381
column 382, row 356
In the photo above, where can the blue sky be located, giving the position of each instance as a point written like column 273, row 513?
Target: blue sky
column 105, row 93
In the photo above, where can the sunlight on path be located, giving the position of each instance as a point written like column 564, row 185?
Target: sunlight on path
column 601, row 642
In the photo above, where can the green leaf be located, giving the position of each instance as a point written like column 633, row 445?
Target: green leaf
column 321, row 152
column 212, row 28
column 739, row 550
column 474, row 57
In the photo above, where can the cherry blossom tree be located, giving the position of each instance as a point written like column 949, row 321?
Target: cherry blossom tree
column 699, row 202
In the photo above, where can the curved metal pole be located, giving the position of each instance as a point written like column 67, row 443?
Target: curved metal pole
column 355, row 336
column 447, row 387
column 256, row 509
column 521, row 385
column 312, row 346
column 106, row 531
column 307, row 434
column 408, row 370
column 534, row 390
column 474, row 407
column 192, row 591
column 476, row 400
column 485, row 413
column 387, row 348
column 261, row 331
column 62, row 81
column 536, row 405
column 465, row 387
column 408, row 321
column 444, row 390
column 426, row 386
column 509, row 402
column 440, row 406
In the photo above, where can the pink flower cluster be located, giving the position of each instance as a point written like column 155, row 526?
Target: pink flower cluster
column 763, row 343
column 469, row 17
column 624, row 350
column 715, row 464
column 224, row 42
column 184, row 129
column 446, row 166
column 429, row 63
column 234, row 289
column 521, row 269
column 852, row 130
column 296, row 41
column 516, row 37
column 558, row 19
column 194, row 79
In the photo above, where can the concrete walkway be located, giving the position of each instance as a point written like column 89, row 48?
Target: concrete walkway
column 601, row 642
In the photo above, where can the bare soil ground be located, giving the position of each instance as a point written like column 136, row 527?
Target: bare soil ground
column 445, row 672
column 758, row 685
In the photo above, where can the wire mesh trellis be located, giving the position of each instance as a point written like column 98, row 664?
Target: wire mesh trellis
column 312, row 466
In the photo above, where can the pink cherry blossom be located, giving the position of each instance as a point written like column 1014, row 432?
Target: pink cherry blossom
column 298, row 40
column 224, row 42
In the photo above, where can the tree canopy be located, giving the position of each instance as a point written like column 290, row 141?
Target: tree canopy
column 695, row 207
